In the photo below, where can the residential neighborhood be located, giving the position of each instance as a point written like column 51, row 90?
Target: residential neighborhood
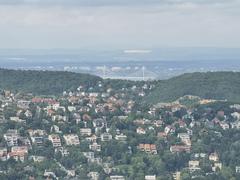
column 103, row 133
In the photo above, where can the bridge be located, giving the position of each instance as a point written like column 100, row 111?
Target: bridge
column 141, row 74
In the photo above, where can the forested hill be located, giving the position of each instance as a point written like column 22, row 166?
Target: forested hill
column 217, row 85
column 44, row 82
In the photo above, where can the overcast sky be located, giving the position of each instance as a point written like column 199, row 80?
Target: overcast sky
column 125, row 24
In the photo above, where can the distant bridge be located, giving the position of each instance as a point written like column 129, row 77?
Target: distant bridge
column 141, row 74
column 133, row 78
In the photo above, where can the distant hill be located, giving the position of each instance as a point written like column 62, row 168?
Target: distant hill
column 44, row 82
column 216, row 85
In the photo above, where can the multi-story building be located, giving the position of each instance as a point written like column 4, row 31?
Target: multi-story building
column 106, row 137
column 55, row 139
column 148, row 148
column 71, row 139
column 85, row 131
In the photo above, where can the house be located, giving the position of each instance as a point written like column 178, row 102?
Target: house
column 37, row 132
column 71, row 173
column 44, row 100
column 96, row 160
column 55, row 139
column 224, row 125
column 216, row 167
column 189, row 132
column 150, row 177
column 192, row 124
column 180, row 148
column 86, row 117
column 117, row 178
column 148, row 148
column 18, row 153
column 25, row 141
column 28, row 114
column 50, row 112
column 38, row 140
column 121, row 137
column 93, row 175
column 23, row 149
column 139, row 122
column 237, row 169
column 200, row 155
column 62, row 150
column 93, row 94
column 213, row 157
column 169, row 129
column 2, row 118
column 214, row 121
column 140, row 130
column 55, row 129
column 185, row 138
column 71, row 108
column 235, row 106
column 193, row 166
column 106, row 137
column 85, row 131
column 107, row 168
column 18, row 156
column 18, row 120
column 89, row 155
column 95, row 147
column 37, row 158
column 182, row 123
column 3, row 154
column 177, row 175
column 158, row 123
column 59, row 118
column 49, row 175
column 93, row 138
column 11, row 137
column 22, row 104
column 28, row 168
column 152, row 111
column 55, row 106
column 71, row 139
column 236, row 115
column 235, row 124
column 99, row 122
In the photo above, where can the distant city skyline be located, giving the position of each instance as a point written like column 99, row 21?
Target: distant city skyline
column 119, row 24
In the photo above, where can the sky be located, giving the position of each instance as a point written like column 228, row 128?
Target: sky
column 114, row 24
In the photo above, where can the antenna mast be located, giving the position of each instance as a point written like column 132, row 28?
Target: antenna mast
column 143, row 73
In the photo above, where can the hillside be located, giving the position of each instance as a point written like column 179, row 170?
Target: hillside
column 216, row 85
column 43, row 82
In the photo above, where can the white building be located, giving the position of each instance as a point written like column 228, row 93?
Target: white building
column 71, row 139
column 55, row 139
column 106, row 137
column 85, row 131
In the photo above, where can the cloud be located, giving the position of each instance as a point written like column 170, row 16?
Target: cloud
column 110, row 2
column 119, row 24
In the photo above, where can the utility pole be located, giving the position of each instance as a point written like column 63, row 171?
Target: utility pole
column 143, row 73
column 104, row 72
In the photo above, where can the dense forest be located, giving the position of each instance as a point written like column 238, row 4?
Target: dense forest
column 44, row 82
column 216, row 85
